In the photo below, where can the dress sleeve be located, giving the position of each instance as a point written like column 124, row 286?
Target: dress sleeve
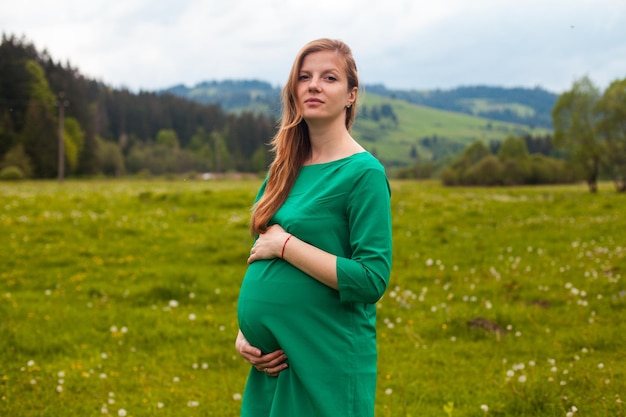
column 365, row 275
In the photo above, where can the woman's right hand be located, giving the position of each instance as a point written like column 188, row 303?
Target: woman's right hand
column 272, row 363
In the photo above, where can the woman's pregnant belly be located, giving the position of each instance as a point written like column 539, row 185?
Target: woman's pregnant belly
column 277, row 302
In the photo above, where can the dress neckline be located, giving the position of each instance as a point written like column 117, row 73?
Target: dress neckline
column 322, row 164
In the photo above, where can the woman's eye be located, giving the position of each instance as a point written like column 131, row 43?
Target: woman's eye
column 331, row 78
column 303, row 77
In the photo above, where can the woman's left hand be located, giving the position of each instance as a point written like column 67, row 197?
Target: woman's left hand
column 269, row 245
column 272, row 363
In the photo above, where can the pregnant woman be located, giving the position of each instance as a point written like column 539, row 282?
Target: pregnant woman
column 322, row 254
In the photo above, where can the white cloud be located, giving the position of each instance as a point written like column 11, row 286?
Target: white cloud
column 420, row 44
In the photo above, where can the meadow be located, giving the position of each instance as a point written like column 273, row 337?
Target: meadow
column 119, row 298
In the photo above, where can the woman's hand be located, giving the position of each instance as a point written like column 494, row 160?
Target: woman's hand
column 271, row 364
column 275, row 242
column 269, row 244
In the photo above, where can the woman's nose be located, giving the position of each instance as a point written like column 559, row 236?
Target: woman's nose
column 314, row 84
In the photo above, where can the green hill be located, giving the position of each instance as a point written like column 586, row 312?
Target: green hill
column 527, row 106
column 397, row 131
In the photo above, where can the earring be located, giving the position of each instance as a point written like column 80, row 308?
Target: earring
column 348, row 106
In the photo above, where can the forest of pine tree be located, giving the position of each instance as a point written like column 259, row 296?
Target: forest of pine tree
column 111, row 131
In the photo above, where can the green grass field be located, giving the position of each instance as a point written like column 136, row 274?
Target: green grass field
column 119, row 298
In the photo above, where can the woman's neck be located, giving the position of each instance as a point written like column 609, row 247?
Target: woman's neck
column 331, row 144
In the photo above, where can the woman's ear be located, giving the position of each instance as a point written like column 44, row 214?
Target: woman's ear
column 352, row 97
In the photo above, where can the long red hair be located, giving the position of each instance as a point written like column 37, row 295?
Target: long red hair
column 291, row 145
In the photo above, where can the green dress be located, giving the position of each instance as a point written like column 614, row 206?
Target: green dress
column 329, row 336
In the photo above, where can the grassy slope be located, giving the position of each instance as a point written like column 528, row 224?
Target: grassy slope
column 393, row 144
column 486, row 105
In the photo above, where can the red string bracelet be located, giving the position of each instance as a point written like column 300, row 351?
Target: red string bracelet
column 282, row 254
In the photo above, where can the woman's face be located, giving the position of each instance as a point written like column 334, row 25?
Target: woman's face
column 322, row 91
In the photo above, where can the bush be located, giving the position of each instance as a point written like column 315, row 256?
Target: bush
column 449, row 177
column 545, row 170
column 515, row 171
column 11, row 173
column 110, row 158
column 488, row 171
column 144, row 173
column 16, row 157
column 513, row 166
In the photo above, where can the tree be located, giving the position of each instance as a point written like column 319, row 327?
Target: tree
column 88, row 159
column 8, row 136
column 513, row 148
column 40, row 139
column 513, row 166
column 15, row 82
column 200, row 145
column 39, row 87
column 575, row 123
column 16, row 157
column 488, row 171
column 220, row 151
column 515, row 159
column 110, row 158
column 611, row 109
column 260, row 160
column 40, row 132
column 472, row 154
column 546, row 170
column 168, row 138
column 387, row 111
column 455, row 174
column 74, row 138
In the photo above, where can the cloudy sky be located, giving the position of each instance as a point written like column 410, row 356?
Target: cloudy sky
column 409, row 44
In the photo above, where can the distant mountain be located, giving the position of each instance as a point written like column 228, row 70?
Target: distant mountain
column 233, row 95
column 531, row 107
column 528, row 106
